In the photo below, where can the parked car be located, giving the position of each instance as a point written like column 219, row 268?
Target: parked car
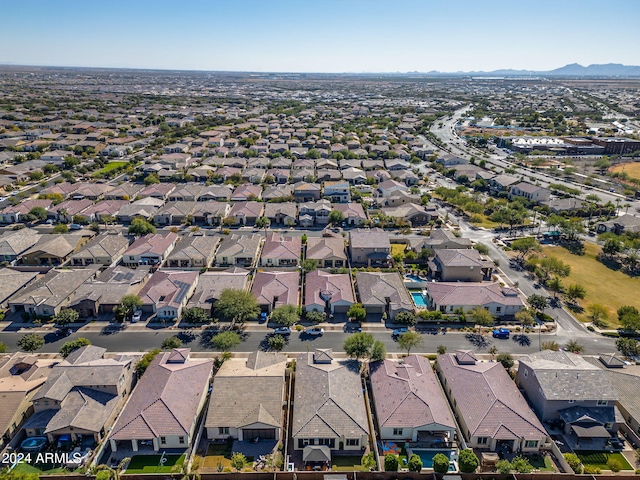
column 501, row 333
column 49, row 221
column 399, row 331
column 282, row 331
column 63, row 332
column 137, row 316
column 75, row 226
column 315, row 331
column 263, row 317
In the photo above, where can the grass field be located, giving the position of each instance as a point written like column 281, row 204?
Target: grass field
column 398, row 248
column 631, row 169
column 610, row 288
column 221, row 455
column 599, row 459
column 109, row 167
column 39, row 469
column 348, row 463
column 544, row 464
column 150, row 464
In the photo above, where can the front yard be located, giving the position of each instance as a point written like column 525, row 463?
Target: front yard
column 607, row 287
column 151, row 464
column 599, row 459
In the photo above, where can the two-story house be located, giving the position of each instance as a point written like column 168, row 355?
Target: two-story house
column 369, row 247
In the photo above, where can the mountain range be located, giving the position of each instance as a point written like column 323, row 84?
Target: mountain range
column 571, row 70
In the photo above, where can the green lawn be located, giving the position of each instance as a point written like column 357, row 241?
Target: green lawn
column 220, row 454
column 348, row 463
column 599, row 459
column 398, row 248
column 40, row 469
column 109, row 167
column 150, row 464
column 537, row 461
column 610, row 288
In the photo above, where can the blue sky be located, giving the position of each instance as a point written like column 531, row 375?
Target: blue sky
column 321, row 35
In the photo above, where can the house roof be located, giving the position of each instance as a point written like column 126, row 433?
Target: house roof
column 53, row 288
column 375, row 287
column 465, row 257
column 13, row 243
column 151, row 243
column 165, row 401
column 369, row 238
column 626, row 383
column 320, row 284
column 195, row 247
column 233, row 400
column 497, row 408
column 328, row 399
column 568, row 376
column 104, row 245
column 351, row 210
column 323, row 248
column 168, row 288
column 280, row 246
column 407, row 394
column 111, row 285
column 269, row 285
column 239, row 245
column 211, row 284
column 12, row 280
column 60, row 245
column 247, row 209
column 472, row 294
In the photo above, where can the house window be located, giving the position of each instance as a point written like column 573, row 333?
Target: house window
column 498, row 309
column 303, row 442
column 526, row 373
column 163, row 440
column 602, row 403
column 397, row 431
column 483, row 440
column 181, row 440
column 223, row 430
column 353, row 442
column 531, row 444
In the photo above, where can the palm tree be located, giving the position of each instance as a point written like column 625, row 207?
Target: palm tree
column 573, row 346
column 492, row 351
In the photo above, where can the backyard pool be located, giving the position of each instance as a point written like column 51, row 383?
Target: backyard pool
column 415, row 278
column 427, row 456
column 33, row 444
column 419, row 300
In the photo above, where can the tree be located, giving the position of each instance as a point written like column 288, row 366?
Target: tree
column 66, row 316
column 553, row 266
column 315, row 317
column 573, row 461
column 525, row 246
column 195, row 315
column 286, row 315
column 40, row 213
column 358, row 345
column 468, row 461
column 61, row 228
column 171, row 343
column 629, row 347
column 573, row 346
column 481, row 248
column 263, row 222
column 409, row 340
column 611, row 247
column 72, row 345
column 336, row 217
column 614, row 465
column 493, row 350
column 441, row 350
column 506, row 360
column 629, row 317
column 225, row 341
column 309, row 264
column 144, row 362
column 440, row 463
column 575, row 291
column 378, row 351
column 481, row 317
column 128, row 305
column 31, row 342
column 503, row 467
column 415, row 463
column 276, row 342
column 369, row 461
column 521, row 465
column 357, row 312
column 238, row 461
column 139, row 226
column 406, row 318
column 556, row 286
column 550, row 345
column 525, row 317
column 237, row 305
column 151, row 179
column 391, row 463
column 538, row 302
column 598, row 314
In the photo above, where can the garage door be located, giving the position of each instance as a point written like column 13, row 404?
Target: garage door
column 261, row 433
column 341, row 308
column 375, row 309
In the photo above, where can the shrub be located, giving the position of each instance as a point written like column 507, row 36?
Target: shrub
column 506, row 360
column 614, row 465
column 315, row 317
column 73, row 345
column 503, row 467
column 391, row 463
column 145, row 361
column 171, row 343
column 574, row 462
column 415, row 463
column 406, row 318
column 591, row 469
column 468, row 461
column 440, row 463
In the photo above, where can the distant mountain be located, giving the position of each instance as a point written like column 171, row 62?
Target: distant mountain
column 572, row 70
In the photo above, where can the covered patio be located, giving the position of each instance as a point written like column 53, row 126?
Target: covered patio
column 316, row 457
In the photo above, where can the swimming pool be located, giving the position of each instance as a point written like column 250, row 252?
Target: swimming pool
column 419, row 300
column 415, row 278
column 427, row 456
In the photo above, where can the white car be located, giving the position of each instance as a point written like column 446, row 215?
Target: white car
column 282, row 331
column 137, row 316
column 315, row 331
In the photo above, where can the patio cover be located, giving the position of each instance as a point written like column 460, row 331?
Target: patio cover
column 597, row 431
column 489, row 458
column 316, row 453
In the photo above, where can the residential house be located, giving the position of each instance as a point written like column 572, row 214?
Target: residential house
column 197, row 251
column 388, row 188
column 283, row 213
column 21, row 375
column 105, row 249
column 564, row 386
column 46, row 296
column 246, row 213
column 15, row 242
column 175, row 213
column 14, row 213
column 217, row 193
column 369, row 247
column 533, row 193
column 448, row 161
column 306, row 192
column 459, row 265
column 383, row 293
column 55, row 249
column 81, row 397
column 354, row 214
column 273, row 289
column 210, row 213
column 502, row 183
column 144, row 208
column 439, row 239
column 211, row 284
column 256, row 416
column 246, row 192
column 413, row 214
column 126, row 191
column 278, row 193
column 105, row 211
column 451, row 297
column 161, row 191
column 281, row 251
column 238, row 250
column 409, row 402
column 103, row 294
column 328, row 251
column 337, row 192
column 619, row 225
column 314, row 213
column 327, row 292
column 165, row 406
column 150, row 249
column 167, row 292
column 491, row 412
column 329, row 410
column 67, row 210
column 354, row 176
column 11, row 282
column 399, row 198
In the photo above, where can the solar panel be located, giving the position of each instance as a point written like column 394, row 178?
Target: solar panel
column 184, row 288
column 118, row 277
